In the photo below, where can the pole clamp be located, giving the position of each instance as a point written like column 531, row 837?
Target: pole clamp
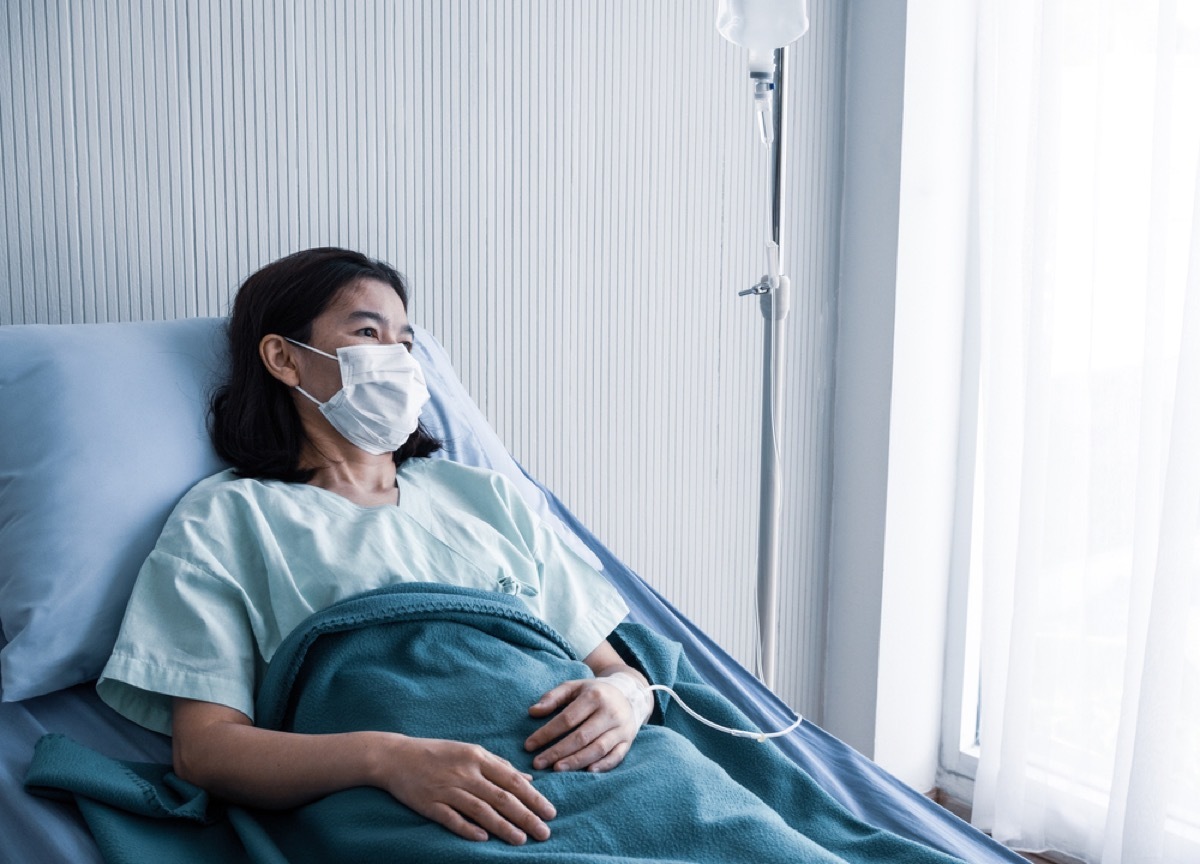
column 762, row 287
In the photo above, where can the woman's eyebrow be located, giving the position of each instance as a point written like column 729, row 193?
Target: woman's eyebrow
column 369, row 316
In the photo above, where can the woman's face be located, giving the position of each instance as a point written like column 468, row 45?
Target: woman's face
column 366, row 312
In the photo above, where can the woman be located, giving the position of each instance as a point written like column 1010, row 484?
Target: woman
column 331, row 495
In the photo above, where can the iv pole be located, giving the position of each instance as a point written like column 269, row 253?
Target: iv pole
column 774, row 294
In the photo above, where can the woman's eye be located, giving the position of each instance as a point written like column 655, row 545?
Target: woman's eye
column 369, row 332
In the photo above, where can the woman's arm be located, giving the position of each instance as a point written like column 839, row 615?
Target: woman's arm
column 597, row 723
column 463, row 787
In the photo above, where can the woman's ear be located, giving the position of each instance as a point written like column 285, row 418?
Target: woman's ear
column 279, row 357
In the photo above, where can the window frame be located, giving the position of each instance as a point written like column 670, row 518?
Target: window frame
column 958, row 755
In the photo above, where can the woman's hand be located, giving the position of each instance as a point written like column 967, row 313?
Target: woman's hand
column 594, row 729
column 466, row 789
column 463, row 787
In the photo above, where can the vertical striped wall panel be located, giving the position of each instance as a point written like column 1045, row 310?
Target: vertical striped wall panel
column 575, row 190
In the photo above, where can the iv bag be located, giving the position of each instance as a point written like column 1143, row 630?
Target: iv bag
column 761, row 26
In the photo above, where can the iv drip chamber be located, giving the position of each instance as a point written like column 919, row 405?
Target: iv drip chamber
column 761, row 26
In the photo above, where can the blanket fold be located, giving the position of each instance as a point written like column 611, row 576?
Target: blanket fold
column 442, row 662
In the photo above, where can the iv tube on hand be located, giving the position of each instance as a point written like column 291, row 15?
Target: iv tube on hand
column 761, row 26
column 736, row 733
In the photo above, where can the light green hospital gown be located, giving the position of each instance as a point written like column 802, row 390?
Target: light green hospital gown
column 242, row 562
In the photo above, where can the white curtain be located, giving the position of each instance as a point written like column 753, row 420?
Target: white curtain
column 1086, row 517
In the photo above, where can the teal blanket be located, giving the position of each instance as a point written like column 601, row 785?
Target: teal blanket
column 441, row 662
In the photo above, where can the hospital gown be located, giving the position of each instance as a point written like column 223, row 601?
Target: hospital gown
column 241, row 562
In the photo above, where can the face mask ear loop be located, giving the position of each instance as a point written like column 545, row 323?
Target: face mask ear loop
column 312, row 398
column 311, row 348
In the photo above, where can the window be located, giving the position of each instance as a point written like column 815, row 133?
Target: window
column 1073, row 673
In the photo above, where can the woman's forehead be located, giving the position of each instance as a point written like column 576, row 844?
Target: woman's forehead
column 366, row 298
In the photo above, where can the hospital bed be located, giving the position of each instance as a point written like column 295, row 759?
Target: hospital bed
column 102, row 428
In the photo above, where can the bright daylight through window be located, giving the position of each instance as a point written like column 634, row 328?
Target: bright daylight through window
column 1074, row 674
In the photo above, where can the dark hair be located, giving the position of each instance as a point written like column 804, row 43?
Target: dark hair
column 252, row 417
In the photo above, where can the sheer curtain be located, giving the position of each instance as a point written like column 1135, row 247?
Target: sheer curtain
column 1086, row 516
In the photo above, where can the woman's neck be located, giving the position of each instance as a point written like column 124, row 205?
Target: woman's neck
column 366, row 480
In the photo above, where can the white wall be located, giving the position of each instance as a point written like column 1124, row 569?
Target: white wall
column 899, row 352
column 866, row 312
column 573, row 190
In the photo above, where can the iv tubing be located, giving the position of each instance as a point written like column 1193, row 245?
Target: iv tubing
column 737, row 733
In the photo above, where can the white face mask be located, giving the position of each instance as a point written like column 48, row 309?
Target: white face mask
column 383, row 392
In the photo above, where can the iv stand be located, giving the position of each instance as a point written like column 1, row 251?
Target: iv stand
column 774, row 292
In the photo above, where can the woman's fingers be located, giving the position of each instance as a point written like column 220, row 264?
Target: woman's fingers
column 581, row 703
column 612, row 759
column 472, row 792
column 494, row 822
column 582, row 748
column 587, row 730
column 557, row 755
column 449, row 818
column 513, row 796
column 504, row 802
column 554, row 699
